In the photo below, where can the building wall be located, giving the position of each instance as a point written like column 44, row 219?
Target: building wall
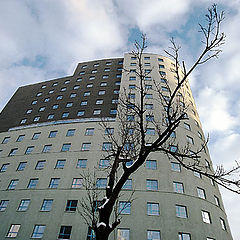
column 138, row 221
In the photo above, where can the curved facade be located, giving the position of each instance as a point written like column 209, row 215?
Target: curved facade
column 50, row 134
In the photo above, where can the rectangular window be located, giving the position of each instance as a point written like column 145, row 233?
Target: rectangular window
column 66, row 147
column 89, row 131
column 152, row 185
column 153, row 235
column 190, row 140
column 223, row 224
column 176, row 167
column 21, row 166
column 101, row 92
column 38, row 231
column 13, row 184
column 149, row 106
column 90, row 85
column 197, row 174
column 124, row 207
column 13, row 230
column 131, row 86
column 82, row 163
column 91, row 234
column 173, row 148
column 146, row 58
column 70, row 132
column 127, row 185
column 96, row 111
column 3, row 205
column 23, row 206
column 47, row 205
column 86, row 147
column 99, row 102
column 184, row 236
column 181, row 211
column 60, row 164
column 151, row 164
column 36, row 119
column 132, row 78
column 178, row 187
column 47, row 148
column 32, row 183
column 217, row 201
column 36, row 136
column 77, row 183
column 150, row 131
column 101, row 183
column 65, row 114
column 29, row 150
column 40, row 165
column 103, row 84
column 201, row 193
column 149, row 118
column 109, row 131
column 54, row 182
column 20, row 138
column 84, row 103
column 71, row 205
column 113, row 111
column 80, row 113
column 50, row 116
column 206, row 217
column 65, row 232
column 4, row 167
column 13, row 152
column 73, row 95
column 153, row 209
column 104, row 163
column 107, row 146
column 86, row 94
column 123, row 234
column 59, row 97
column 187, row 126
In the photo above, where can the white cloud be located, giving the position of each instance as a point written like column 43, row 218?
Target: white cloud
column 213, row 109
column 69, row 31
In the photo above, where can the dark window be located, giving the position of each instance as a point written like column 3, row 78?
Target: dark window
column 71, row 205
column 52, row 134
column 65, row 232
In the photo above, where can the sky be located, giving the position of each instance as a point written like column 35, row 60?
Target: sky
column 42, row 40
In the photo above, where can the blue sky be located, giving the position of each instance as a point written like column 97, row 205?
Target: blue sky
column 42, row 40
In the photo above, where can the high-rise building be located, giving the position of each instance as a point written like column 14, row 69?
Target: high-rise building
column 50, row 134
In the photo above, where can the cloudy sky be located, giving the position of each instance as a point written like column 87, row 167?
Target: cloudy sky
column 45, row 39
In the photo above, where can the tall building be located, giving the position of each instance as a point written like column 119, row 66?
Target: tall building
column 50, row 134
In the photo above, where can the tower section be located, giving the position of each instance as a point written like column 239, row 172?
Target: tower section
column 54, row 132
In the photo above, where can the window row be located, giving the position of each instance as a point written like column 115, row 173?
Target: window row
column 124, row 207
column 101, row 183
column 73, row 95
column 65, row 233
column 76, row 87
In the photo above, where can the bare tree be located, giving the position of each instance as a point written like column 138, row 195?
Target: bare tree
column 132, row 142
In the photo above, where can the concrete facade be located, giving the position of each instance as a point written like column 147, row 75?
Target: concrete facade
column 196, row 213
